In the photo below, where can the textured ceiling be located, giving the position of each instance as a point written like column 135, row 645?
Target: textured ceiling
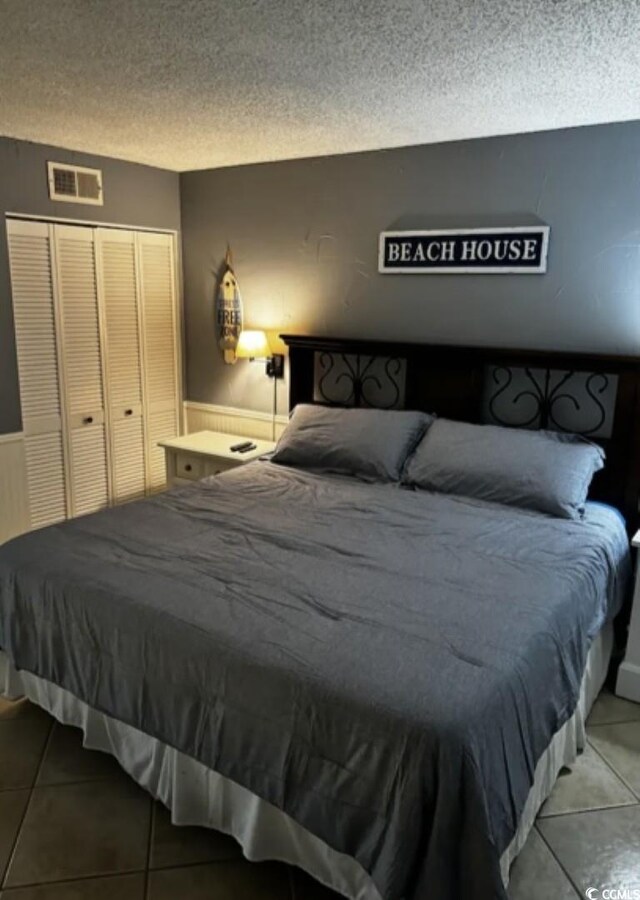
column 189, row 84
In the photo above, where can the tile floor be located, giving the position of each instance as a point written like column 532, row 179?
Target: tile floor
column 73, row 826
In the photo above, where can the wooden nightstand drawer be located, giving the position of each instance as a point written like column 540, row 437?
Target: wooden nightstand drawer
column 191, row 467
column 215, row 466
column 204, row 453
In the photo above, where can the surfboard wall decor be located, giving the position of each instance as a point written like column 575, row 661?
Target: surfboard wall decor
column 228, row 311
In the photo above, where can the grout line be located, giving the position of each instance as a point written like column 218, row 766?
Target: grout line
column 616, row 773
column 73, row 879
column 214, row 862
column 152, row 826
column 45, row 750
column 14, row 845
column 572, row 883
column 577, row 812
column 92, row 779
column 15, row 841
column 612, row 722
column 227, row 860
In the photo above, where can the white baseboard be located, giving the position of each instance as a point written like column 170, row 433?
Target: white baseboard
column 231, row 420
column 14, row 498
column 628, row 684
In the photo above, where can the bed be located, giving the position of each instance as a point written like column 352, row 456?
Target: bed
column 377, row 684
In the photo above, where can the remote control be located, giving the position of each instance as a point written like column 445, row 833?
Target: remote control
column 247, row 448
column 242, row 447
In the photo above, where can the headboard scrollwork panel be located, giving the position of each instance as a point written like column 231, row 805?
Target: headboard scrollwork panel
column 351, row 379
column 574, row 402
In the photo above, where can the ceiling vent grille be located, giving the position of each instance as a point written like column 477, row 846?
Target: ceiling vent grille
column 75, row 184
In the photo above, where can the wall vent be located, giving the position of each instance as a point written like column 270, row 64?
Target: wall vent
column 75, row 184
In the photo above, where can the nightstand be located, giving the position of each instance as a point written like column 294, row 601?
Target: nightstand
column 194, row 456
column 628, row 684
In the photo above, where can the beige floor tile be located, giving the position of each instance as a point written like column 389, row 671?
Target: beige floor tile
column 598, row 849
column 609, row 709
column 66, row 760
column 620, row 746
column 590, row 784
column 12, row 807
column 22, row 742
column 18, row 709
column 78, row 830
column 181, row 846
column 536, row 873
column 222, row 881
column 118, row 887
column 305, row 888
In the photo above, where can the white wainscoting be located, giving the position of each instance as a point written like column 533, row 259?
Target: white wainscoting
column 230, row 420
column 14, row 499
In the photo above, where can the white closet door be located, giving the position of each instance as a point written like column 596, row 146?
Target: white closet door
column 37, row 350
column 118, row 286
column 82, row 367
column 157, row 290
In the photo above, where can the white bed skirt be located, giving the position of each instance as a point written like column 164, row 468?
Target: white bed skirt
column 197, row 795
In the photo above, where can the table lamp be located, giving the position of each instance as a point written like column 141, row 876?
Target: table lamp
column 254, row 345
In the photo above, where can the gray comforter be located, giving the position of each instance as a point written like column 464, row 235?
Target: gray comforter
column 386, row 666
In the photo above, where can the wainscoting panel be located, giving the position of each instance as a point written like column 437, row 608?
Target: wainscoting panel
column 14, row 503
column 228, row 419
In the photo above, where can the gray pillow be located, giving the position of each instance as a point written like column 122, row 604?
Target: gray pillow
column 539, row 470
column 372, row 444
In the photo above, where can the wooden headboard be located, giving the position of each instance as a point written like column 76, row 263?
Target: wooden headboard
column 594, row 395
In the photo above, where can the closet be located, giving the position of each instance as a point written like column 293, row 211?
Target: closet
column 96, row 336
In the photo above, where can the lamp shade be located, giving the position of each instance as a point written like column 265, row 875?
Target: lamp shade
column 253, row 345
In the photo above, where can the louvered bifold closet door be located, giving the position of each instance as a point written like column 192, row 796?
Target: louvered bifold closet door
column 118, row 287
column 157, row 285
column 82, row 367
column 36, row 343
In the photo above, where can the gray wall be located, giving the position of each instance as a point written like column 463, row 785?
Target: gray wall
column 304, row 236
column 134, row 195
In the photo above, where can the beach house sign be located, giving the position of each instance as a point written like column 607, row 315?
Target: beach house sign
column 520, row 250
